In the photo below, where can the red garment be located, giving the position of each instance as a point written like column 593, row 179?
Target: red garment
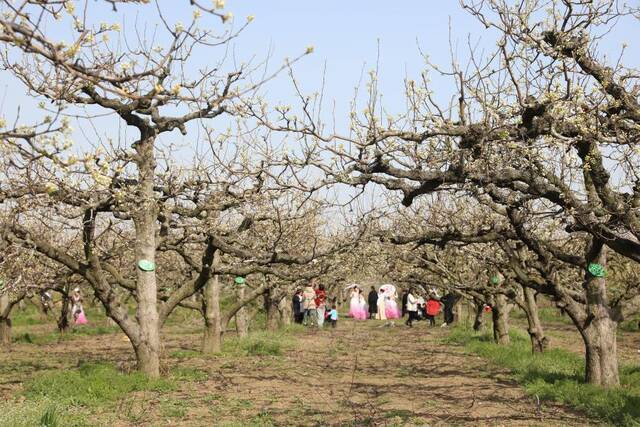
column 321, row 297
column 433, row 307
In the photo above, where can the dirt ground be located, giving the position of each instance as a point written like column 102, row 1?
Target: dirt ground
column 358, row 374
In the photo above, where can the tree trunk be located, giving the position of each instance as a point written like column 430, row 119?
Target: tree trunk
column 500, row 315
column 479, row 317
column 271, row 308
column 539, row 342
column 5, row 332
column 5, row 321
column 144, row 218
column 601, row 353
column 286, row 313
column 457, row 311
column 212, row 340
column 599, row 329
column 242, row 316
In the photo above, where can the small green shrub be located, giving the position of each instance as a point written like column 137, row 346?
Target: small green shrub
column 263, row 347
column 25, row 338
column 631, row 325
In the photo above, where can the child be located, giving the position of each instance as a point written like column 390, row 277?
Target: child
column 432, row 308
column 79, row 317
column 333, row 316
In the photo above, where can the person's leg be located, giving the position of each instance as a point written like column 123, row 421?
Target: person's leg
column 449, row 315
column 412, row 316
column 320, row 312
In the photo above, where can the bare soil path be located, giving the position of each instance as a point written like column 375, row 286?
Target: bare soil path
column 358, row 374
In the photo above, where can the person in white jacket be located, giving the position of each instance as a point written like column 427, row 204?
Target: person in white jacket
column 412, row 307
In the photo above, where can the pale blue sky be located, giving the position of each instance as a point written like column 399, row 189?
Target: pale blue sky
column 345, row 36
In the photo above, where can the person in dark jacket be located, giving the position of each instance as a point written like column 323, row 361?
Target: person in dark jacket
column 449, row 300
column 372, row 300
column 405, row 296
column 296, row 305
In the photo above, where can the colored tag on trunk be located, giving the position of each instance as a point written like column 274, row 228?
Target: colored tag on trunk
column 240, row 280
column 597, row 270
column 146, row 265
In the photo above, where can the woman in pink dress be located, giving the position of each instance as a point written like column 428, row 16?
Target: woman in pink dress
column 357, row 308
column 391, row 306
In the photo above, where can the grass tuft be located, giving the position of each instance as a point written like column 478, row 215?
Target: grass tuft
column 50, row 418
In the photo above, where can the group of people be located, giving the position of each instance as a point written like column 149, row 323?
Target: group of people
column 417, row 307
column 311, row 308
column 380, row 304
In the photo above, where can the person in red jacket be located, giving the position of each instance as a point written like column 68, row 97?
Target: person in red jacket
column 433, row 307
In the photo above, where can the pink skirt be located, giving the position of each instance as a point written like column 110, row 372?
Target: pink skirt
column 81, row 319
column 358, row 313
column 391, row 310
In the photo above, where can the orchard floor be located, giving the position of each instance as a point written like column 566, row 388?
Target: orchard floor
column 361, row 373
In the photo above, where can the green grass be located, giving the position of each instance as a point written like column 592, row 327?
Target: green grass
column 91, row 385
column 185, row 354
column 631, row 325
column 172, row 408
column 260, row 343
column 558, row 375
column 184, row 373
column 55, row 336
column 42, row 413
column 73, row 397
column 546, row 315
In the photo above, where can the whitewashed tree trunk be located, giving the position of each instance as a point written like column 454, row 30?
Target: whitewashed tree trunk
column 500, row 314
column 212, row 340
column 5, row 321
column 147, row 343
column 242, row 316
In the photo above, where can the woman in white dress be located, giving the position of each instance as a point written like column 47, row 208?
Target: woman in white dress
column 381, row 315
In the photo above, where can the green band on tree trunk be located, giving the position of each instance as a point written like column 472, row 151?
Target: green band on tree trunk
column 146, row 265
column 597, row 270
